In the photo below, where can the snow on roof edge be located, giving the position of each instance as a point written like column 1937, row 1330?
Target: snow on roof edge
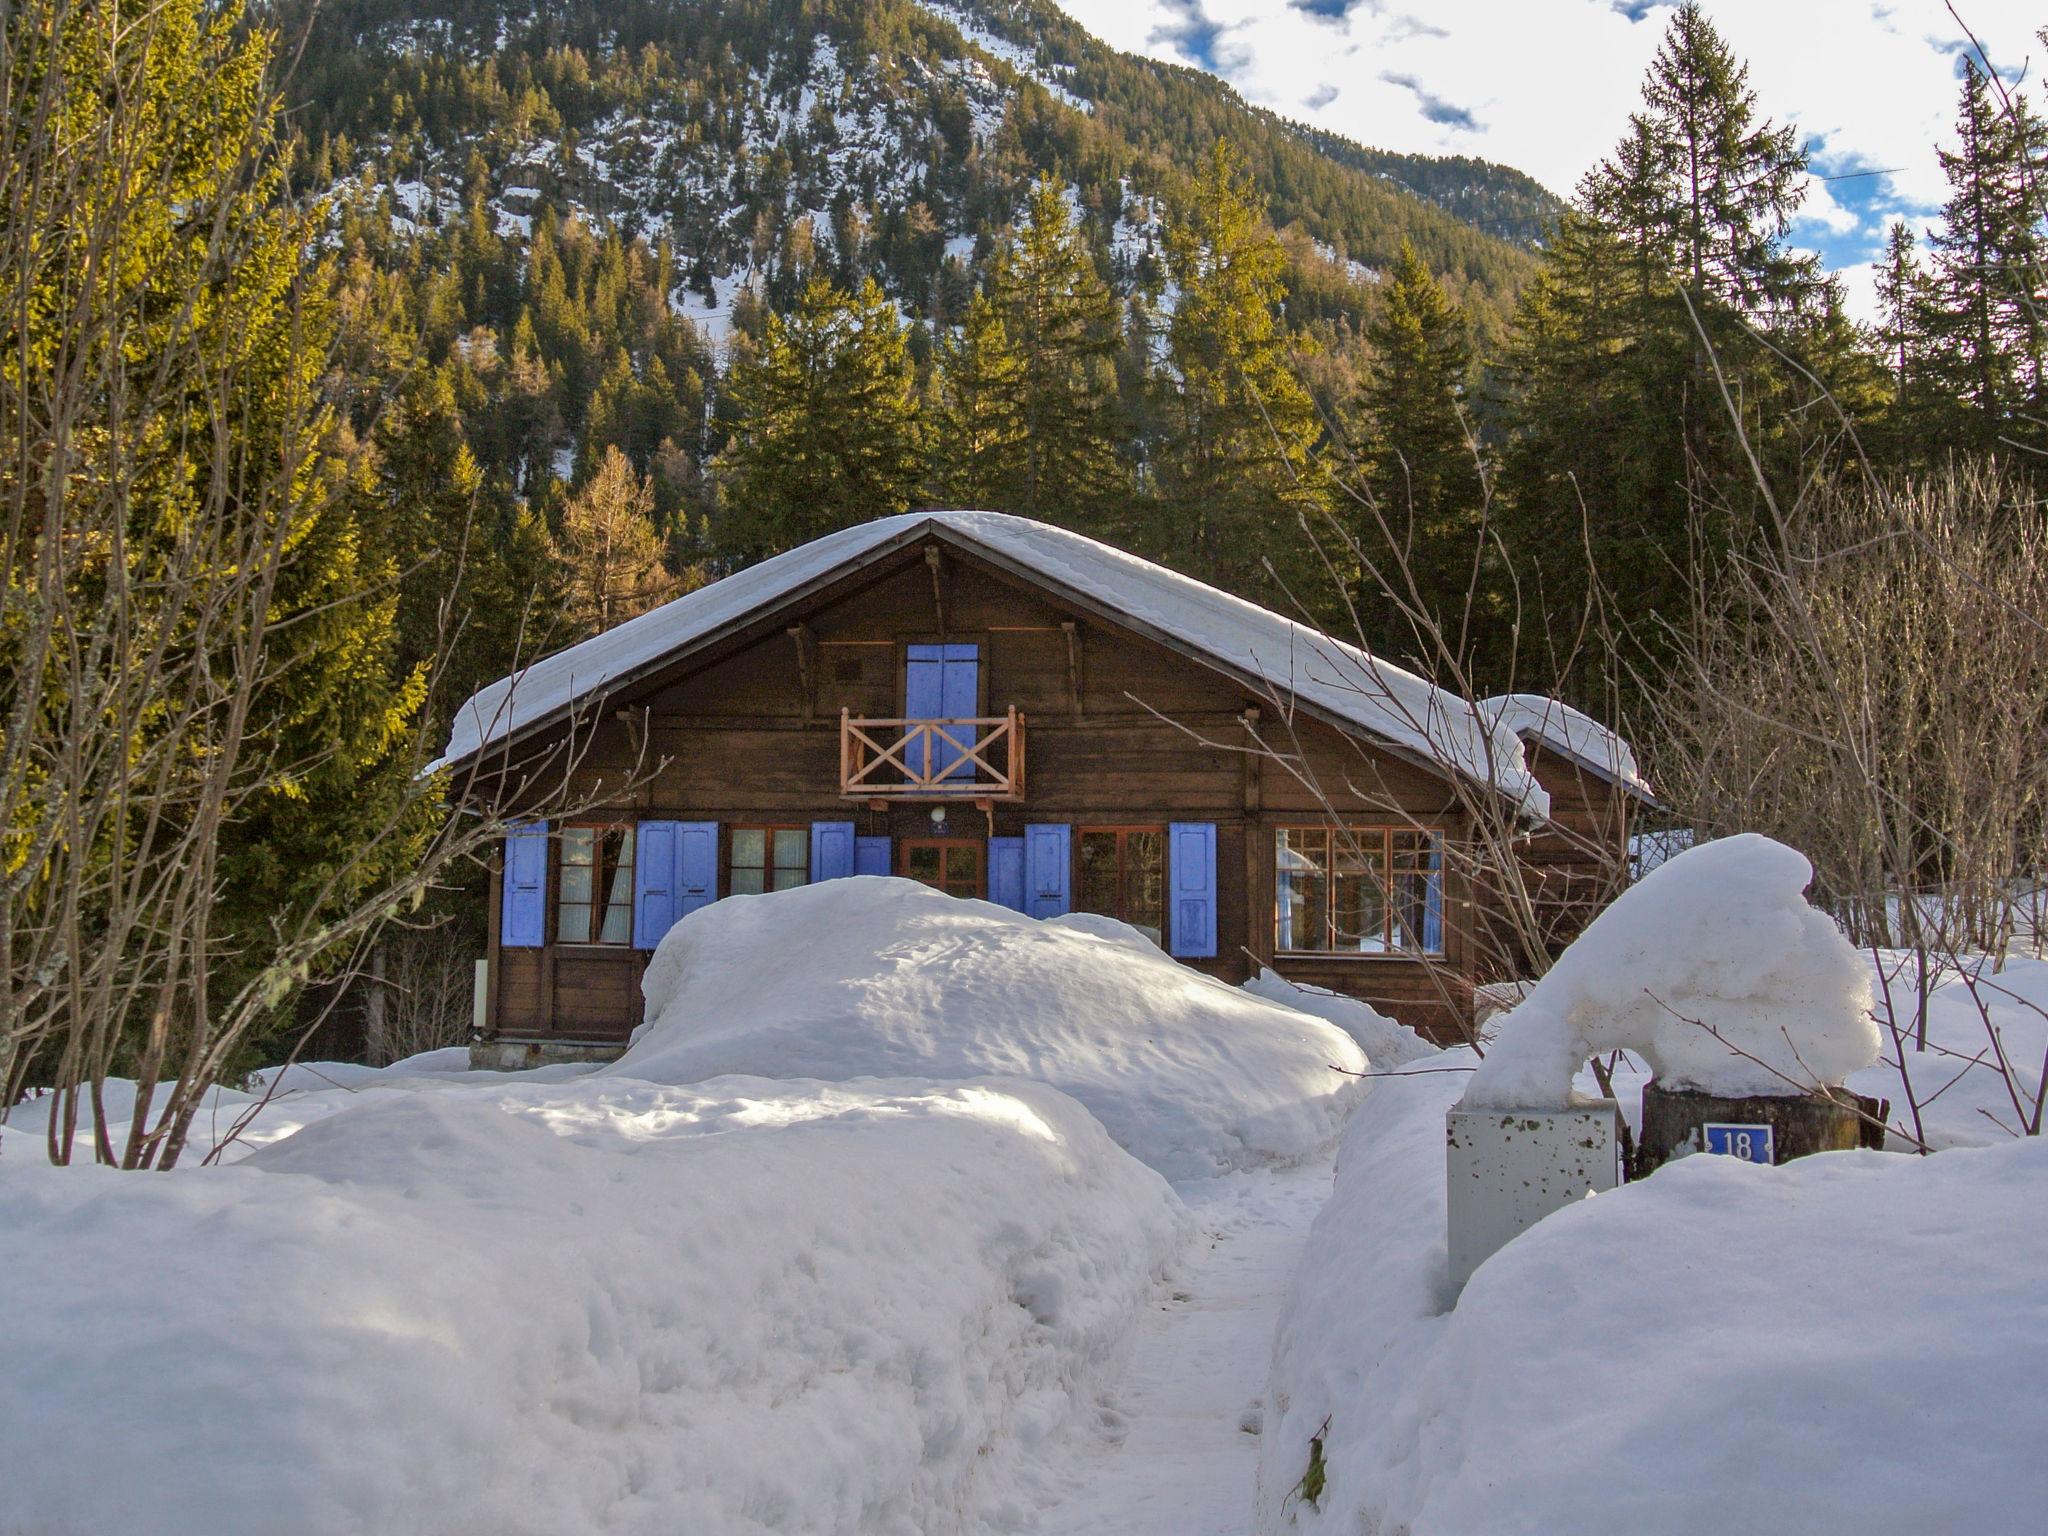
column 1569, row 732
column 1333, row 677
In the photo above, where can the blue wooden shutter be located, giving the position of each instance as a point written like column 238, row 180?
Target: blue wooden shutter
column 654, row 882
column 696, row 865
column 831, row 850
column 1191, row 865
column 1433, row 900
column 1048, row 869
column 523, row 922
column 942, row 682
column 871, row 856
column 1006, row 872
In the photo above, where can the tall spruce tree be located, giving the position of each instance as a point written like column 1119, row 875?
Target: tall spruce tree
column 167, row 334
column 826, row 429
column 1983, row 316
column 979, row 439
column 1061, row 320
column 1420, row 457
column 1671, row 332
column 1239, row 483
column 1912, row 425
column 1729, row 182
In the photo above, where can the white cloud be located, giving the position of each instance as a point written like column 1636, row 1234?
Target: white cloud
column 1547, row 85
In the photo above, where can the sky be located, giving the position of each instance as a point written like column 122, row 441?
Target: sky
column 1547, row 85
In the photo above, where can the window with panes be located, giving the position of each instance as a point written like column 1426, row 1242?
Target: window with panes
column 594, row 885
column 1123, row 875
column 768, row 859
column 1358, row 891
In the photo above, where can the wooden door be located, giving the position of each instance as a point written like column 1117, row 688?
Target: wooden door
column 955, row 865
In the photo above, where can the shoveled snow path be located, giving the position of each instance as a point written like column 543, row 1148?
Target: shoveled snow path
column 1175, row 1457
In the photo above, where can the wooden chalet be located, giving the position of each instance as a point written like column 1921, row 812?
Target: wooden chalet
column 1006, row 711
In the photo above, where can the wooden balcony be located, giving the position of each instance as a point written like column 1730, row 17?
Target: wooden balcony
column 979, row 759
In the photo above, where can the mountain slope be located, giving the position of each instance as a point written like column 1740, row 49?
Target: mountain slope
column 892, row 138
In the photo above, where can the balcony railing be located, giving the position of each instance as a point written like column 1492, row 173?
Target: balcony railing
column 977, row 759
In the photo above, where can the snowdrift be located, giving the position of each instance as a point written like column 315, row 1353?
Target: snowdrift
column 556, row 1309
column 881, row 977
column 1387, row 1043
column 1852, row 1342
column 1713, row 969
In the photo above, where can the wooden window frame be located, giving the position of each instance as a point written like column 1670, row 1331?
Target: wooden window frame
column 905, row 845
column 767, row 829
column 1123, row 831
column 601, row 876
column 1362, row 834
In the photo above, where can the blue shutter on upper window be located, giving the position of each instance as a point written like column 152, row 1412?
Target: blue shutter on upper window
column 654, row 882
column 942, row 682
column 523, row 915
column 1006, row 872
column 1048, row 869
column 831, row 850
column 696, row 865
column 871, row 856
column 1191, row 865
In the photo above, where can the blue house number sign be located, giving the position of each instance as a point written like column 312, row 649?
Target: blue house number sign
column 1751, row 1143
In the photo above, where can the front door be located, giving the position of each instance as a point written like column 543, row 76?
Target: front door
column 950, row 864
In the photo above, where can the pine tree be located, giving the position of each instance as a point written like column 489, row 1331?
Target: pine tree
column 1988, row 268
column 1420, row 455
column 167, row 331
column 1239, row 483
column 611, row 556
column 1061, row 319
column 1911, row 422
column 979, row 441
column 1729, row 183
column 1668, row 298
column 826, row 429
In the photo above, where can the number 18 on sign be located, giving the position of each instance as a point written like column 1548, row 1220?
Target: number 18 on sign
column 1751, row 1143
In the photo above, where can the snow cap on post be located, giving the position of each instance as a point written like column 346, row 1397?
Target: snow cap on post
column 1713, row 969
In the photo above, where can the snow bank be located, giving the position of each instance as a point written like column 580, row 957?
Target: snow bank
column 1720, row 936
column 275, row 1102
column 1852, row 1342
column 600, row 1306
column 1386, row 1042
column 875, row 976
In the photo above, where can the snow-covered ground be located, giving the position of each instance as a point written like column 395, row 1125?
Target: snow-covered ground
column 591, row 1306
column 910, row 1272
column 1852, row 1342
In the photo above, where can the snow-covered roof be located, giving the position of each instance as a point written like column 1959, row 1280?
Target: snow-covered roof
column 1291, row 659
column 1569, row 733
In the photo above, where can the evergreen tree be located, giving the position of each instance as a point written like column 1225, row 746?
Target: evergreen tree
column 826, row 430
column 164, row 408
column 1983, row 317
column 611, row 557
column 1912, row 420
column 1239, row 483
column 1061, row 319
column 1728, row 182
column 1420, row 462
column 979, row 442
column 1668, row 302
column 422, row 507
